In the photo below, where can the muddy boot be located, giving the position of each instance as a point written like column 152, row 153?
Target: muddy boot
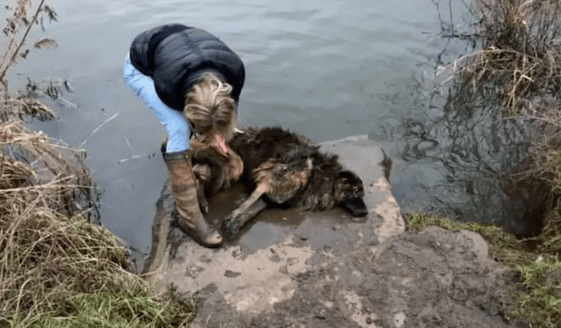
column 184, row 188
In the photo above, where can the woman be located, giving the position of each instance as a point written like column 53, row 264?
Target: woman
column 192, row 82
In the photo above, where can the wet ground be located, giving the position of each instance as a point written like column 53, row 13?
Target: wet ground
column 324, row 269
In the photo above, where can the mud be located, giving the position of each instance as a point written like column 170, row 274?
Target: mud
column 325, row 269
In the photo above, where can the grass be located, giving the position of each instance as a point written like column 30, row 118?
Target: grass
column 551, row 235
column 113, row 309
column 537, row 300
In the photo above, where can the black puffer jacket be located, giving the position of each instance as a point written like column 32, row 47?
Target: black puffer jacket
column 176, row 55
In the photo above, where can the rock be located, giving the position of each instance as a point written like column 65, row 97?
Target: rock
column 324, row 270
column 231, row 274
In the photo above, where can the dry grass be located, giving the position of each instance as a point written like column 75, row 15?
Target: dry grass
column 51, row 175
column 57, row 269
column 520, row 52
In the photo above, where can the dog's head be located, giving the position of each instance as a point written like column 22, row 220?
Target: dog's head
column 349, row 192
column 212, row 168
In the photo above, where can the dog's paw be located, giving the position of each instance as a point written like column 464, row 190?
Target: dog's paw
column 231, row 226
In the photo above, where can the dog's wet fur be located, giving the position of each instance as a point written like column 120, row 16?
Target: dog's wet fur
column 328, row 185
column 291, row 171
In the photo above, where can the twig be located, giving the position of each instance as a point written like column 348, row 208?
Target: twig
column 129, row 144
column 3, row 73
column 97, row 129
column 133, row 157
column 68, row 102
column 50, row 185
column 8, row 48
column 452, row 29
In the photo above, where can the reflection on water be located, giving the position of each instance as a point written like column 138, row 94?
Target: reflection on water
column 468, row 149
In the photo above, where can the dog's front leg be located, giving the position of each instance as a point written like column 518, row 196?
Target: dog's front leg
column 245, row 212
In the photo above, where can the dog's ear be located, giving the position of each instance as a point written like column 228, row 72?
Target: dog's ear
column 348, row 175
column 349, row 183
column 351, row 193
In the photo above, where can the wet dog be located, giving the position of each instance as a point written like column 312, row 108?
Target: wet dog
column 285, row 168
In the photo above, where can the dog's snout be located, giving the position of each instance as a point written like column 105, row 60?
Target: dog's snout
column 356, row 206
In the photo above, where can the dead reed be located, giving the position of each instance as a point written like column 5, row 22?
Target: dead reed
column 56, row 268
column 520, row 60
column 19, row 22
column 520, row 52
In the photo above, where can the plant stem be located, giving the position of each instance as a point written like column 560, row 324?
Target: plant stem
column 16, row 52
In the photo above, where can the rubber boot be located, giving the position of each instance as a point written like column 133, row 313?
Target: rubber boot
column 184, row 188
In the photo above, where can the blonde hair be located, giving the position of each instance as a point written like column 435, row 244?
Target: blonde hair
column 210, row 108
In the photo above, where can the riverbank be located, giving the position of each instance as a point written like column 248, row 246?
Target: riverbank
column 516, row 65
column 536, row 272
column 58, row 268
column 323, row 269
column 360, row 289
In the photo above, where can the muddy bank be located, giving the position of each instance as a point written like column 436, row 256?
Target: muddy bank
column 297, row 269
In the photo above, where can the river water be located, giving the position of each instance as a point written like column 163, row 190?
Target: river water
column 327, row 70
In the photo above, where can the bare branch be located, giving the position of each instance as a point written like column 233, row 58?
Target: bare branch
column 22, row 41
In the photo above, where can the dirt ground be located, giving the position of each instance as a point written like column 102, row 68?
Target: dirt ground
column 294, row 269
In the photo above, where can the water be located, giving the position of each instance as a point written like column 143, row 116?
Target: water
column 454, row 160
column 327, row 70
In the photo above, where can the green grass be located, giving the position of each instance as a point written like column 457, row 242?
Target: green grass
column 114, row 310
column 539, row 297
column 537, row 300
column 60, row 272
